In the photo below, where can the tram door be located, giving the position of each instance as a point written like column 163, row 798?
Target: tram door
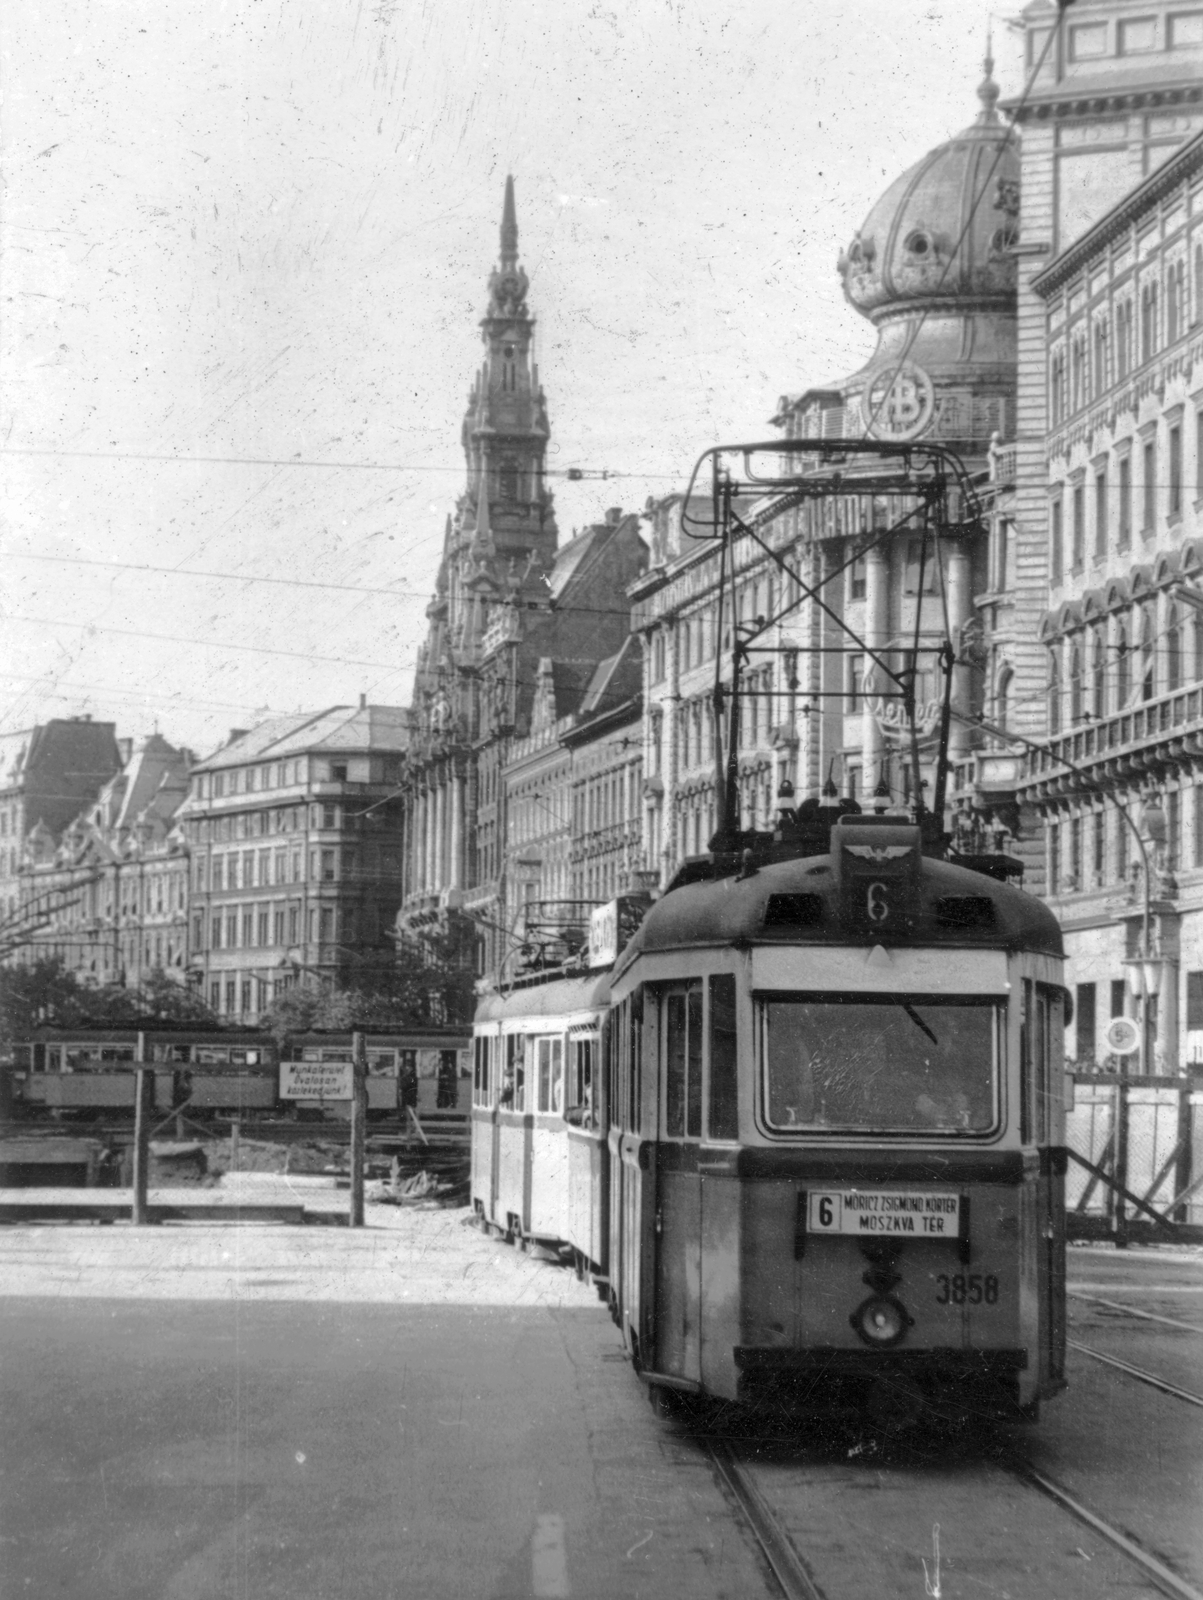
column 678, row 1215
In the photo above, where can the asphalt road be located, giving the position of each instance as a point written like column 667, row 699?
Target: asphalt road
column 415, row 1411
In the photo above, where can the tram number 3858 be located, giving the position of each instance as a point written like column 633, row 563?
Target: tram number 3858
column 967, row 1287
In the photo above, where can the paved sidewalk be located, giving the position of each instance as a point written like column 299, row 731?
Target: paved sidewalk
column 408, row 1255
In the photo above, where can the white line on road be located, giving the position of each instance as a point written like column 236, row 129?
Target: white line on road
column 548, row 1558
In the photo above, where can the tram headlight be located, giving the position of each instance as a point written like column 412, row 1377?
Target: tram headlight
column 881, row 1320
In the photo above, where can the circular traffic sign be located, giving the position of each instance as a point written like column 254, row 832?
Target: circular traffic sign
column 1123, row 1036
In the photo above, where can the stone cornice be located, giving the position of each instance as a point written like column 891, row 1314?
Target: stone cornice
column 1086, row 100
column 1179, row 167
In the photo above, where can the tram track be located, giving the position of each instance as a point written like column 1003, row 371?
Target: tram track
column 1150, row 1378
column 1133, row 1311
column 797, row 1581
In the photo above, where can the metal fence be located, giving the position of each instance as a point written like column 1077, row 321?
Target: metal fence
column 1135, row 1169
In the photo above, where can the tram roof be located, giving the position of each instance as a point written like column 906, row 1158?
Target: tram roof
column 956, row 907
column 558, row 998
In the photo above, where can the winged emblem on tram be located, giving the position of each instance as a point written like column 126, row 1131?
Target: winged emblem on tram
column 878, row 852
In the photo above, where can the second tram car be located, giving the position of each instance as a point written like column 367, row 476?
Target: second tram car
column 539, row 1168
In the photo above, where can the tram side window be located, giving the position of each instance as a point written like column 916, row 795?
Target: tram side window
column 513, row 1083
column 615, row 1033
column 723, row 1119
column 549, row 1056
column 635, row 1061
column 480, row 1071
column 1047, row 1055
column 683, row 1062
column 582, row 1095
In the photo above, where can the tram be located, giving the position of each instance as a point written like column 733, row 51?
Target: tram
column 836, row 1134
column 539, row 1168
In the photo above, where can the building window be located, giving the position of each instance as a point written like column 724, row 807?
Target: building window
column 1123, row 669
column 1174, row 286
column 215, row 934
column 1077, row 373
column 1148, row 659
column 1084, row 1044
column 1198, row 792
column 1173, row 651
column 215, row 997
column 231, row 995
column 1148, row 322
column 1100, row 846
column 1054, row 694
column 1055, row 542
column 1100, row 358
column 1075, row 854
column 246, row 994
column 218, row 869
column 1002, row 541
column 1100, row 514
column 294, row 924
column 1099, row 675
column 1076, row 697
column 329, row 816
column 1173, row 820
column 1054, row 857
column 1199, row 455
column 326, row 925
column 856, row 682
column 1079, row 526
column 1175, row 452
column 1057, row 387
column 1125, row 502
column 857, row 579
column 1149, row 459
column 1123, row 339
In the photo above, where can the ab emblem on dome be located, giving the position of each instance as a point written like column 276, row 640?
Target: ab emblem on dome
column 899, row 402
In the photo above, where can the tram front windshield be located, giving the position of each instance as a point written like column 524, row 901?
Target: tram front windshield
column 881, row 1063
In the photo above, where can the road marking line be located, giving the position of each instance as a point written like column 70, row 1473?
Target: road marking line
column 549, row 1559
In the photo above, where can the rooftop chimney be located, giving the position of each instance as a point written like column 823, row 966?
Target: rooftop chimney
column 614, row 514
column 363, row 702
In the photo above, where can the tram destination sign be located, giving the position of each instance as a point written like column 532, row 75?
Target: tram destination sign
column 316, row 1080
column 882, row 1211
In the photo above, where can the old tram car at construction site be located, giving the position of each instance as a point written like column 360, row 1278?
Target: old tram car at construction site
column 835, row 1134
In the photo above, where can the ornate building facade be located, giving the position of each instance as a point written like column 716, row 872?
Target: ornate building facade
column 1078, row 608
column 507, row 598
column 47, row 774
column 108, row 896
column 932, row 269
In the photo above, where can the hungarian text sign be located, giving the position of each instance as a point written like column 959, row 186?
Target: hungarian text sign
column 316, row 1080
column 883, row 1211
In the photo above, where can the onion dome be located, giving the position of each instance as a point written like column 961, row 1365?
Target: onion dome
column 900, row 259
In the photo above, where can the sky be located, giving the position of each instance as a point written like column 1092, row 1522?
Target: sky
column 244, row 247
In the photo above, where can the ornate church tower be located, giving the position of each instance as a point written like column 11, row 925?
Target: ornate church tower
column 498, row 550
column 507, row 510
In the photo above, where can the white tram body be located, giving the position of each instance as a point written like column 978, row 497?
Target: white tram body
column 538, row 1127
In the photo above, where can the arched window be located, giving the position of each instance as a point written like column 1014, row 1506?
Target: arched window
column 1098, row 674
column 1148, row 659
column 1076, row 706
column 1054, row 692
column 1173, row 651
column 1123, row 668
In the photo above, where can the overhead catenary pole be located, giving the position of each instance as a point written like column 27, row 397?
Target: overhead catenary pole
column 144, row 1079
column 359, row 1117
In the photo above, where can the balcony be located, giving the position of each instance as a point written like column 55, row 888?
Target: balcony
column 1138, row 742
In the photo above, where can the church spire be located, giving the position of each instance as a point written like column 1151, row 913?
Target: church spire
column 509, row 229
